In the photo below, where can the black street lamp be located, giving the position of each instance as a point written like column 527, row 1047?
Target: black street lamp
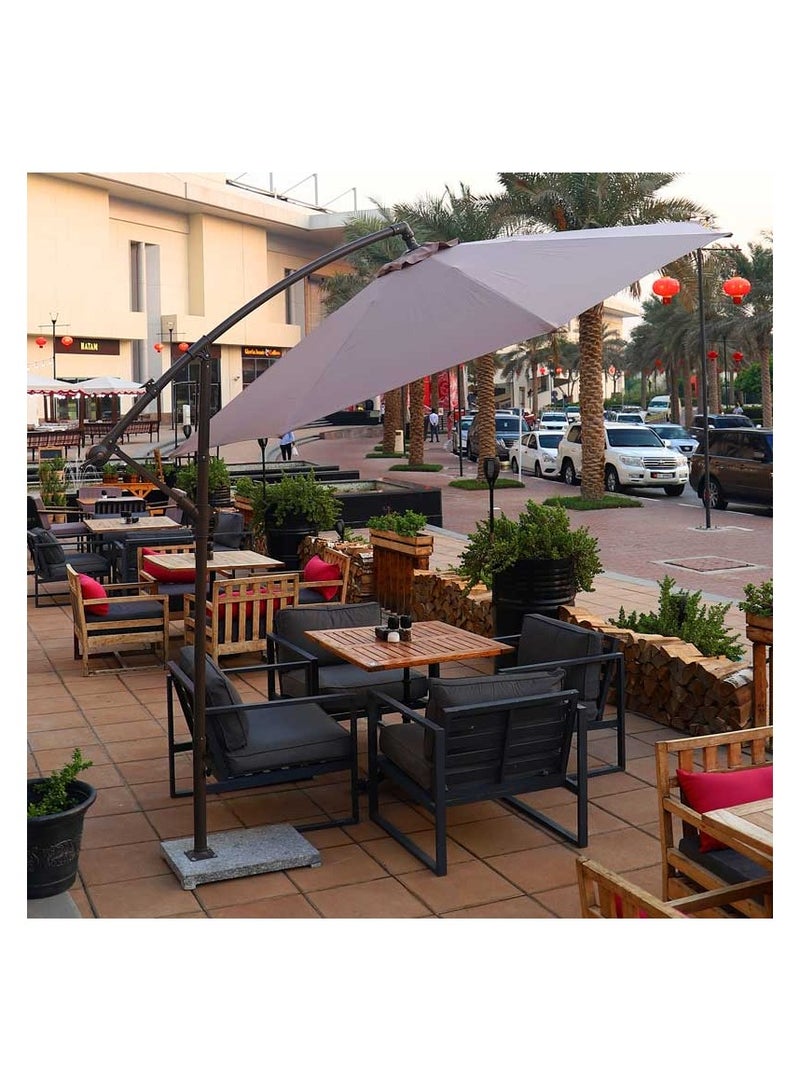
column 491, row 470
column 262, row 443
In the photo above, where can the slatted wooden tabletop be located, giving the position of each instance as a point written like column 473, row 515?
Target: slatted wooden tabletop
column 103, row 525
column 743, row 825
column 223, row 559
column 431, row 643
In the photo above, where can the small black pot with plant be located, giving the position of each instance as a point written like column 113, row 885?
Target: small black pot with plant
column 57, row 806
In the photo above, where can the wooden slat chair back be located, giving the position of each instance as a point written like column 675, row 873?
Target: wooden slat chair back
column 175, row 590
column 606, row 894
column 685, row 870
column 310, row 590
column 241, row 612
column 134, row 620
column 115, row 506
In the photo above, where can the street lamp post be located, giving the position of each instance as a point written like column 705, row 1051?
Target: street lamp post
column 491, row 471
column 53, row 319
column 262, row 443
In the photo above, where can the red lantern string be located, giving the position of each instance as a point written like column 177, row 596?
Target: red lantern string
column 66, row 341
column 665, row 288
column 737, row 288
column 41, row 342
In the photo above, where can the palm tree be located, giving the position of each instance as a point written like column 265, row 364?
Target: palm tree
column 468, row 218
column 751, row 322
column 566, row 202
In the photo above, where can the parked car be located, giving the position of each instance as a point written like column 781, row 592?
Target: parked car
column 553, row 420
column 459, row 436
column 739, row 467
column 508, row 427
column 538, row 454
column 719, row 420
column 660, row 405
column 676, row 436
column 635, row 456
column 630, row 417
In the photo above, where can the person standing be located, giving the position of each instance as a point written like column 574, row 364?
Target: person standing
column 286, row 442
column 738, row 408
column 433, row 422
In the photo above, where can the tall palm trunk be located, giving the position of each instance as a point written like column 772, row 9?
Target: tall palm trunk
column 766, row 388
column 688, row 408
column 593, row 436
column 487, row 432
column 713, row 387
column 392, row 418
column 674, row 397
column 416, row 441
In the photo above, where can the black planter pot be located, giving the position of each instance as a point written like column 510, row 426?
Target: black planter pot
column 54, row 842
column 537, row 586
column 283, row 543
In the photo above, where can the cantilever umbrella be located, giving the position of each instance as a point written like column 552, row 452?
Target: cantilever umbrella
column 441, row 305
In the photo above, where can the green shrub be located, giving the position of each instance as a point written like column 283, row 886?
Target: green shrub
column 54, row 792
column 402, row 523
column 758, row 599
column 681, row 615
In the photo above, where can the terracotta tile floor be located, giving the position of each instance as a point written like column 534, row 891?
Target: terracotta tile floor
column 499, row 865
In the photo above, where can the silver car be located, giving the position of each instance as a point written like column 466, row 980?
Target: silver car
column 677, row 437
column 538, row 454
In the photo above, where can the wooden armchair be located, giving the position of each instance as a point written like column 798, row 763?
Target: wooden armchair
column 692, row 860
column 173, row 585
column 109, row 618
column 605, row 894
column 241, row 612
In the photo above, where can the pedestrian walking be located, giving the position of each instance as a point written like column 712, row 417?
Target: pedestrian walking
column 433, row 422
column 738, row 408
column 287, row 442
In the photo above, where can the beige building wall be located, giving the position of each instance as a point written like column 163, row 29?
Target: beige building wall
column 209, row 249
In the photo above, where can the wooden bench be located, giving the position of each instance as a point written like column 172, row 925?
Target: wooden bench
column 61, row 438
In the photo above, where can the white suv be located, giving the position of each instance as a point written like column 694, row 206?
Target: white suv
column 635, row 456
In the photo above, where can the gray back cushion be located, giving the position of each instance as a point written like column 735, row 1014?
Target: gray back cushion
column 543, row 640
column 232, row 727
column 48, row 549
column 292, row 622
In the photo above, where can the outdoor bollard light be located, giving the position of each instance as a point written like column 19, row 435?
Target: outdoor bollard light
column 262, row 443
column 491, row 470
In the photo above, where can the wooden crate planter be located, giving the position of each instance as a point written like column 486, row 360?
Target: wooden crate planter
column 759, row 630
column 395, row 559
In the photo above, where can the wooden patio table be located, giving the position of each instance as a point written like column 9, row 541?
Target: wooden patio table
column 432, row 643
column 106, row 525
column 746, row 828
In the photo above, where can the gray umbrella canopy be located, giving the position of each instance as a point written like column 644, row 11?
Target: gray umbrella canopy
column 442, row 305
column 110, row 384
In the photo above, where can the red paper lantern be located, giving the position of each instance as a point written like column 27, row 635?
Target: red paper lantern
column 559, row 371
column 66, row 341
column 158, row 346
column 665, row 288
column 612, row 370
column 737, row 288
column 712, row 354
column 738, row 357
column 41, row 342
column 183, row 347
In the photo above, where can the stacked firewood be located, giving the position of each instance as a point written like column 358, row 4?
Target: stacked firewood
column 437, row 596
column 673, row 683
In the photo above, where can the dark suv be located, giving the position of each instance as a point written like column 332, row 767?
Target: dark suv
column 507, row 428
column 739, row 466
column 718, row 420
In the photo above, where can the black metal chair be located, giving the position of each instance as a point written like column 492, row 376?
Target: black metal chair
column 593, row 663
column 481, row 739
column 229, row 532
column 326, row 673
column 50, row 562
column 71, row 530
column 262, row 743
column 119, row 506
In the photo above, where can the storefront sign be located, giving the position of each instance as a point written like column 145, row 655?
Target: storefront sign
column 88, row 346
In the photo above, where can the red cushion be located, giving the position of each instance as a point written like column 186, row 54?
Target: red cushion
column 317, row 569
column 93, row 589
column 720, row 789
column 165, row 576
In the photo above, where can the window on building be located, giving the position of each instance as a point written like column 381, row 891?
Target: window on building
column 137, row 276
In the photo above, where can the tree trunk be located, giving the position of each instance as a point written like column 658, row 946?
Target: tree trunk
column 674, row 396
column 688, row 408
column 713, row 387
column 487, row 432
column 392, row 419
column 416, row 441
column 433, row 380
column 766, row 388
column 593, row 436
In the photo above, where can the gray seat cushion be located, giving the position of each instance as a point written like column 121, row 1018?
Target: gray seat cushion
column 354, row 683
column 284, row 735
column 543, row 640
column 231, row 727
column 292, row 622
column 730, row 866
column 150, row 614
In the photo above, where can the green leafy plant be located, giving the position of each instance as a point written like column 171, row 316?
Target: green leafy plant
column 54, row 792
column 758, row 599
column 51, row 482
column 402, row 523
column 539, row 532
column 219, row 477
column 680, row 614
column 245, row 488
column 297, row 498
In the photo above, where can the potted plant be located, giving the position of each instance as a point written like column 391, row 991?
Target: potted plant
column 51, row 484
column 219, row 481
column 757, row 607
column 398, row 548
column 289, row 509
column 532, row 565
column 57, row 806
